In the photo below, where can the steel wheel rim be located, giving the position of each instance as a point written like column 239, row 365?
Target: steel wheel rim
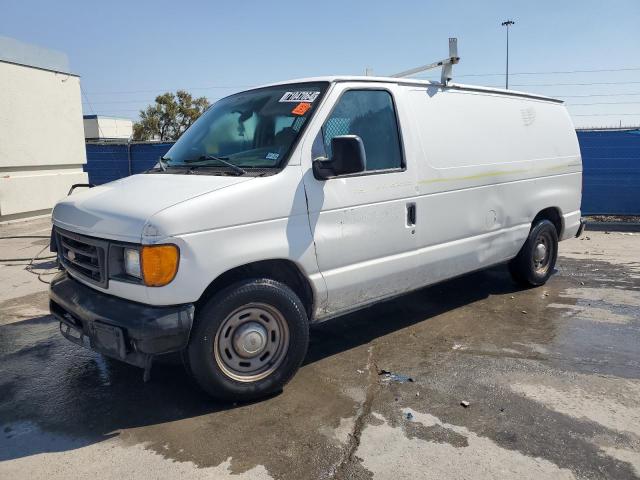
column 542, row 253
column 251, row 342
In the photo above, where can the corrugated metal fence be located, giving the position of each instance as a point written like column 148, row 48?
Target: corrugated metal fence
column 110, row 161
column 611, row 164
column 611, row 171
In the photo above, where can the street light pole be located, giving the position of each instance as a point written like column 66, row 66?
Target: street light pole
column 507, row 24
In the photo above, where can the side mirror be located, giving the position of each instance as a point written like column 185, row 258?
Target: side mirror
column 348, row 156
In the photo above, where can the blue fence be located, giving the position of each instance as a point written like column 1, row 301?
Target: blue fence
column 110, row 161
column 611, row 172
column 610, row 160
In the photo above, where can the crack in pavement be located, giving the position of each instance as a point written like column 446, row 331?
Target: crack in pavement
column 364, row 411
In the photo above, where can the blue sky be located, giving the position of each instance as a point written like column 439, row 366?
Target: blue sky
column 128, row 52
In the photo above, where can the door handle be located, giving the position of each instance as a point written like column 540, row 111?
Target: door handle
column 411, row 214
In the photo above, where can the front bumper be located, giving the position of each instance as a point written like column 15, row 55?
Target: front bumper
column 129, row 331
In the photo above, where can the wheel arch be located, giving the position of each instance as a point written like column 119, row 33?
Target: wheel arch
column 554, row 215
column 280, row 270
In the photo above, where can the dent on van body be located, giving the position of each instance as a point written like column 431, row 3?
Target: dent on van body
column 487, row 155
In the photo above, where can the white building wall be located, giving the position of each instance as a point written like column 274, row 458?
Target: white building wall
column 42, row 146
column 97, row 127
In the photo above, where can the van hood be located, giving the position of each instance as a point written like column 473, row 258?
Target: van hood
column 120, row 209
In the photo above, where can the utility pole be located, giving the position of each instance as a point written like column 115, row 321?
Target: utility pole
column 507, row 24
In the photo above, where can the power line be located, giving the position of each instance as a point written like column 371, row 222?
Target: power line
column 604, row 114
column 556, row 72
column 212, row 87
column 599, row 70
column 572, row 84
column 150, row 100
column 561, row 84
column 600, row 95
column 126, row 110
column 603, row 103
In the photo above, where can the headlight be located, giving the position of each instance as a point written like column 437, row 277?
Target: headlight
column 159, row 264
column 132, row 262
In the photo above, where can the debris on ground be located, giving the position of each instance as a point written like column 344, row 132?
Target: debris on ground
column 408, row 416
column 612, row 218
column 464, row 403
column 523, row 311
column 388, row 376
column 360, row 371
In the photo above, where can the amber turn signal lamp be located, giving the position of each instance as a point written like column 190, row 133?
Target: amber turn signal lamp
column 159, row 264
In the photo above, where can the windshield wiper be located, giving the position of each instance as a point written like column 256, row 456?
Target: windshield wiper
column 206, row 158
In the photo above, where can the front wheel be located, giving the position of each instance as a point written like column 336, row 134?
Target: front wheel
column 248, row 340
column 536, row 259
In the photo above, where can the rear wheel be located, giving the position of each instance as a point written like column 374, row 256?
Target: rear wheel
column 248, row 340
column 536, row 260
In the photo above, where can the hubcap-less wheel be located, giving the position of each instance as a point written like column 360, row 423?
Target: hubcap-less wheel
column 542, row 253
column 251, row 342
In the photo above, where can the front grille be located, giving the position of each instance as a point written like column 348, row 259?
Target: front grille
column 83, row 256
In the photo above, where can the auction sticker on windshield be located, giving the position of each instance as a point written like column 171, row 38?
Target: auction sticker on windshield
column 301, row 108
column 301, row 96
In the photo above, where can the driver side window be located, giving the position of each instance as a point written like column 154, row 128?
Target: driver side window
column 369, row 114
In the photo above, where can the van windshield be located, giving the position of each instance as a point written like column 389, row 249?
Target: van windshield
column 253, row 129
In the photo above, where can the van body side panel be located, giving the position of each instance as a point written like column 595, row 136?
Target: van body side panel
column 488, row 164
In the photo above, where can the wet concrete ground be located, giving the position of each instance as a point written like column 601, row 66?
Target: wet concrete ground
column 552, row 377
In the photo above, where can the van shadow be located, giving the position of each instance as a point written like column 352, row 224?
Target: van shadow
column 56, row 396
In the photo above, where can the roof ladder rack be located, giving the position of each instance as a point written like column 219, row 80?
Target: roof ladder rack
column 446, row 64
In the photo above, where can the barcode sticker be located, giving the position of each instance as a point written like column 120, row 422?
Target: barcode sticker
column 299, row 96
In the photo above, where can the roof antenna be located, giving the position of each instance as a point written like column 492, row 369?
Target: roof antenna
column 446, row 64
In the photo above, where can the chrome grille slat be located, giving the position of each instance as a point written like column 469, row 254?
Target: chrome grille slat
column 83, row 256
column 80, row 251
column 88, row 266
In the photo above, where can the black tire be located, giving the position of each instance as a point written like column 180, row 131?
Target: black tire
column 527, row 268
column 205, row 358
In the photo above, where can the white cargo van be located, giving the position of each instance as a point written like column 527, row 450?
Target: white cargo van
column 297, row 202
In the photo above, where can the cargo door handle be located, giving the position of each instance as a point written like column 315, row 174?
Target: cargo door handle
column 411, row 214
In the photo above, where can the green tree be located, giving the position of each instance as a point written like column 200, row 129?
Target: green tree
column 169, row 117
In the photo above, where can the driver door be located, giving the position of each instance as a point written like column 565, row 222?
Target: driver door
column 363, row 224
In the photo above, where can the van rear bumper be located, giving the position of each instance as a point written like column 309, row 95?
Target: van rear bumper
column 572, row 225
column 128, row 331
